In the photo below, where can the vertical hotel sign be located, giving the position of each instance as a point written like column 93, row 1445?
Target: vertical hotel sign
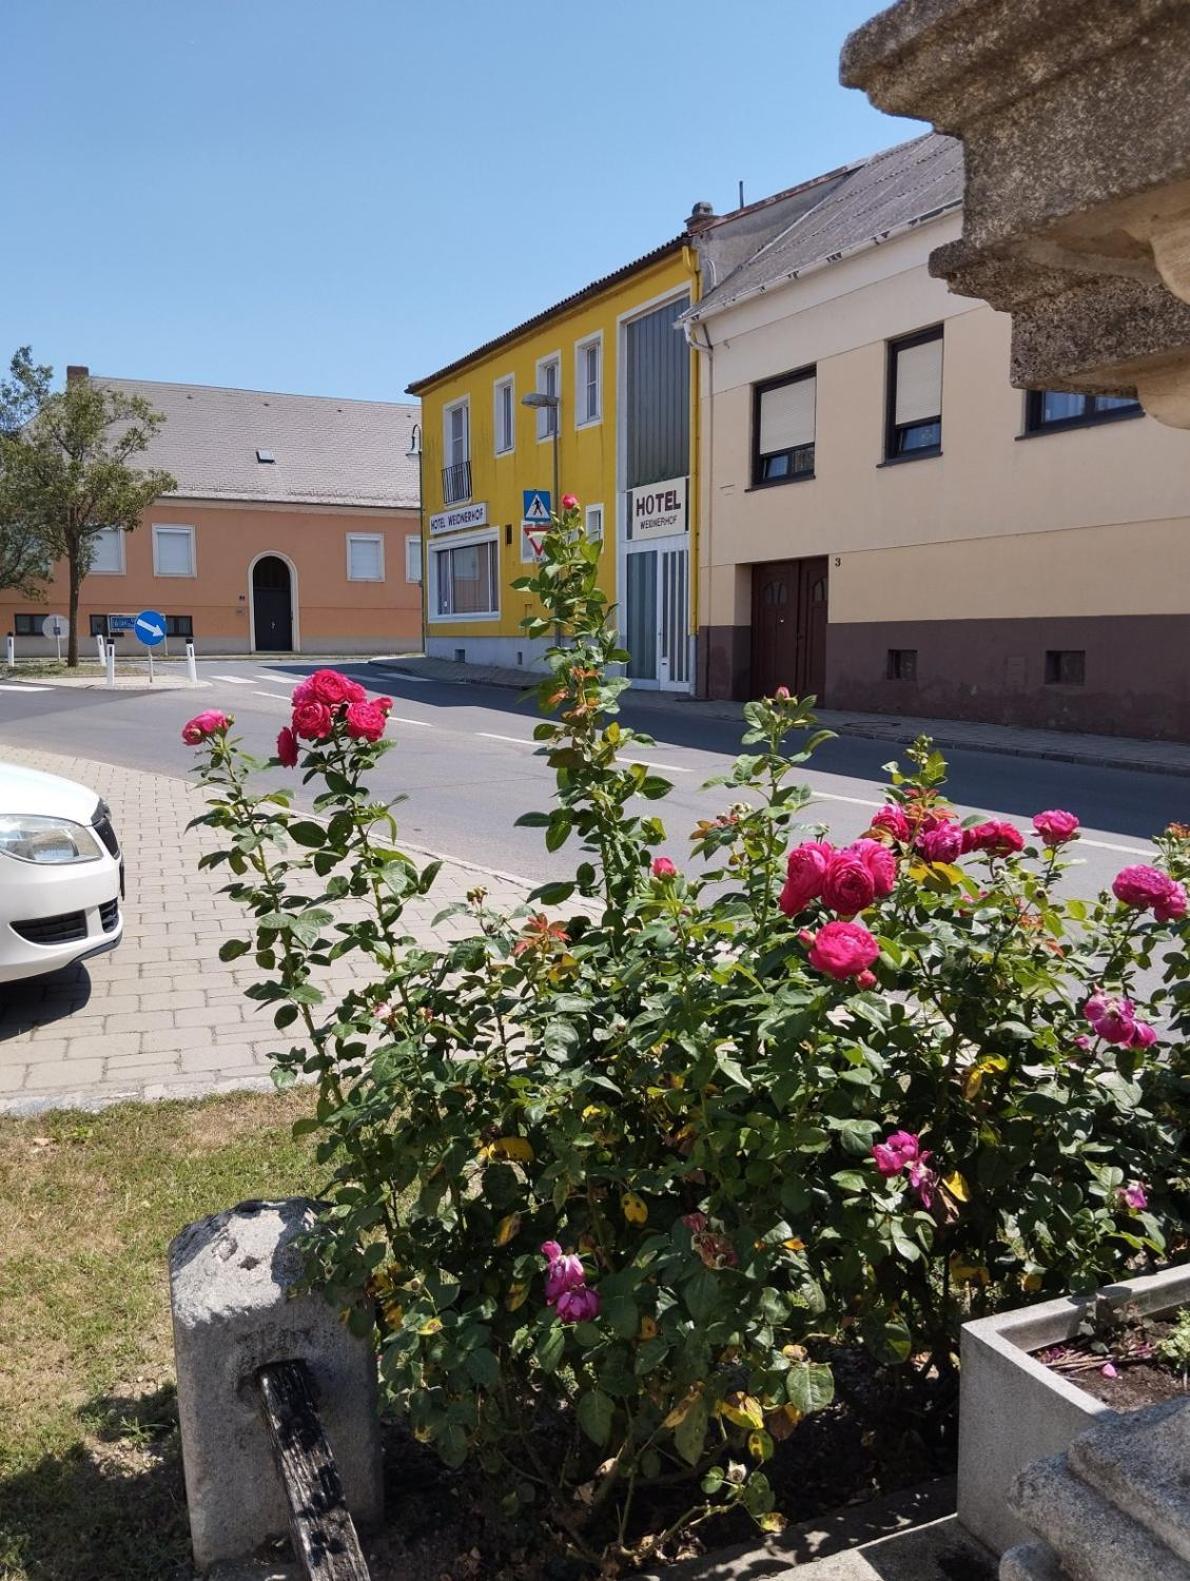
column 658, row 510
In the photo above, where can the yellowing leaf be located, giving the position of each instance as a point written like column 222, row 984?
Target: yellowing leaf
column 958, row 1188
column 648, row 1327
column 684, row 1407
column 794, row 1244
column 743, row 1410
column 1031, row 1282
column 760, row 1445
column 515, row 1148
column 508, row 1227
column 975, row 1076
column 517, row 1292
column 431, row 1325
column 794, row 1352
column 772, row 1521
column 968, row 1273
column 393, row 1313
column 634, row 1208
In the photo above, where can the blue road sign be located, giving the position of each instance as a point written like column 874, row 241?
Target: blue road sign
column 118, row 623
column 537, row 507
column 150, row 628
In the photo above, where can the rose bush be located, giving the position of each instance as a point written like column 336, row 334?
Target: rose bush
column 607, row 1178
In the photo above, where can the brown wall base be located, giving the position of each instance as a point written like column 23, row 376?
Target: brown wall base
column 1137, row 674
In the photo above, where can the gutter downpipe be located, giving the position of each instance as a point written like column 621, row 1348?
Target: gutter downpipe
column 705, row 517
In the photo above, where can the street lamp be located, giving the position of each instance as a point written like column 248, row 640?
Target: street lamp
column 415, row 451
column 550, row 403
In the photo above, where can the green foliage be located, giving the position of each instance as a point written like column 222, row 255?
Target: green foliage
column 662, row 1083
column 65, row 473
column 1174, row 1349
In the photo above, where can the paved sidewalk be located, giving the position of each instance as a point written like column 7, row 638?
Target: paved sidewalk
column 1125, row 752
column 162, row 1016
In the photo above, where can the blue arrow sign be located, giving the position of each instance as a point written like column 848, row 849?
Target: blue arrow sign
column 149, row 627
column 537, row 507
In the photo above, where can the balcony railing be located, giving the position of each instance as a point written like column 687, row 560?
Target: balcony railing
column 456, row 483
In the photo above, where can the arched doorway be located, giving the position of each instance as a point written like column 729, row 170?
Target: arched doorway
column 272, row 605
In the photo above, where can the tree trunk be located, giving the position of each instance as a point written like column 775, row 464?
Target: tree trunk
column 72, row 639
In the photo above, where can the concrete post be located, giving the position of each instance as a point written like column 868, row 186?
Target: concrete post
column 232, row 1289
column 10, row 643
column 191, row 667
column 101, row 644
column 110, row 661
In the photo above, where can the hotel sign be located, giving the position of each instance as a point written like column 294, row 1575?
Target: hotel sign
column 454, row 521
column 659, row 509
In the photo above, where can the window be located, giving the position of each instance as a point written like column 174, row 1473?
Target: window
column 266, row 457
column 465, row 579
column 107, row 553
column 504, row 416
column 1049, row 409
column 594, row 523
column 783, row 428
column 413, row 559
column 179, row 626
column 1066, row 666
column 173, row 551
column 914, row 396
column 456, row 474
column 549, row 382
column 27, row 625
column 588, row 381
column 901, row 665
column 365, row 557
column 99, row 625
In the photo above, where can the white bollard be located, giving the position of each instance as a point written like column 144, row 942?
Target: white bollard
column 10, row 642
column 111, row 664
column 102, row 646
column 191, row 667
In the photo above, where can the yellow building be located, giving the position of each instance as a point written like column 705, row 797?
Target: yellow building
column 610, row 417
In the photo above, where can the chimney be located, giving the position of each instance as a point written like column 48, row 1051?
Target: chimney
column 75, row 374
column 701, row 216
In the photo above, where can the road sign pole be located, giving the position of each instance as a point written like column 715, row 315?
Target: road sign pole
column 58, row 643
column 150, row 666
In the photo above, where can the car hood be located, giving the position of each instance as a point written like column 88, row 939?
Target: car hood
column 30, row 791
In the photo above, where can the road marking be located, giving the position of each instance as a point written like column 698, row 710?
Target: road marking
column 235, row 680
column 25, row 686
column 517, row 741
column 666, row 768
column 1106, row 845
column 274, row 697
column 399, row 719
column 854, row 801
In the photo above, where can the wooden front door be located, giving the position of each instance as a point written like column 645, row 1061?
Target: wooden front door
column 789, row 626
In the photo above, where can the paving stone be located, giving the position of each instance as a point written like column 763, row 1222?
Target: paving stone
column 64, row 1073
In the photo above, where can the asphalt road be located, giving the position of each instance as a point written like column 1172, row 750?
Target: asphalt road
column 466, row 764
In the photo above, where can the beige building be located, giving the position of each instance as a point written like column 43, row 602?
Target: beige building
column 887, row 523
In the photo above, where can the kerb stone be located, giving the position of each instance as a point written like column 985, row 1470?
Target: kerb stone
column 233, row 1281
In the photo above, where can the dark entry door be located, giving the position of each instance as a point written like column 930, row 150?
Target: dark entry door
column 272, row 605
column 789, row 626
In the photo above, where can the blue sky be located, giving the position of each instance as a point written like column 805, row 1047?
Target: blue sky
column 337, row 196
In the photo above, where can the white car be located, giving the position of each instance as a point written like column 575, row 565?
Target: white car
column 61, row 874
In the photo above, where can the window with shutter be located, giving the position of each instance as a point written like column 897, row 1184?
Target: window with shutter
column 783, row 428
column 365, row 557
column 107, row 553
column 173, row 551
column 915, row 395
column 413, row 559
column 504, row 417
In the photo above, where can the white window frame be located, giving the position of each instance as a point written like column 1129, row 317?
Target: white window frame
column 462, row 404
column 413, row 559
column 581, row 347
column 159, row 527
column 508, row 382
column 463, row 541
column 547, row 416
column 365, row 537
column 122, row 566
column 588, row 512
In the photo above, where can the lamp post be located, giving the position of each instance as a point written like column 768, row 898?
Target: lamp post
column 550, row 403
column 415, row 449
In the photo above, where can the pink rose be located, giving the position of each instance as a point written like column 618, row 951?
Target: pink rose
column 663, row 868
column 880, row 863
column 892, row 818
column 1172, row 906
column 1143, row 1036
column 578, row 1306
column 1134, row 1196
column 312, row 721
column 696, row 1223
column 287, row 749
column 843, row 949
column 570, row 502
column 923, row 1180
column 897, row 1150
column 366, row 721
column 1114, row 1020
column 804, row 870
column 1141, row 886
column 334, row 689
column 782, row 694
column 942, row 843
column 1055, row 826
column 303, row 692
column 994, row 837
column 847, row 885
column 208, row 723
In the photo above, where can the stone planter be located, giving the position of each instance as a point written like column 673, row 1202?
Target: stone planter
column 1013, row 1410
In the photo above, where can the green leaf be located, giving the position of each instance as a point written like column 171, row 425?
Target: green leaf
column 558, row 829
column 552, row 894
column 307, row 832
column 231, row 948
column 550, row 1347
column 691, row 1432
column 702, row 1294
column 620, row 1312
column 484, row 1368
column 809, row 1386
column 595, row 1413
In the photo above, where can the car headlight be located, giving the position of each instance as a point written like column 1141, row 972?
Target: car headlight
column 47, row 840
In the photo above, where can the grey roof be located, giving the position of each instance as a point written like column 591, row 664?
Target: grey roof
column 890, row 192
column 328, row 451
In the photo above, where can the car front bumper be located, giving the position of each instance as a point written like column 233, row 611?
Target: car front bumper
column 52, row 916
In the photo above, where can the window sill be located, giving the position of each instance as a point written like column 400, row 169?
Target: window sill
column 445, row 620
column 500, row 454
column 376, row 581
column 779, row 483
column 591, row 422
column 914, row 455
column 1096, row 420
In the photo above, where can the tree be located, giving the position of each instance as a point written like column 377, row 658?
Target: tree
column 65, row 475
column 24, row 559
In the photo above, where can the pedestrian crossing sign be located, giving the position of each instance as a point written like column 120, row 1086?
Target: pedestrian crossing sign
column 537, row 507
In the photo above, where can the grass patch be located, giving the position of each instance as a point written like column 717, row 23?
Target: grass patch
column 90, row 1468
